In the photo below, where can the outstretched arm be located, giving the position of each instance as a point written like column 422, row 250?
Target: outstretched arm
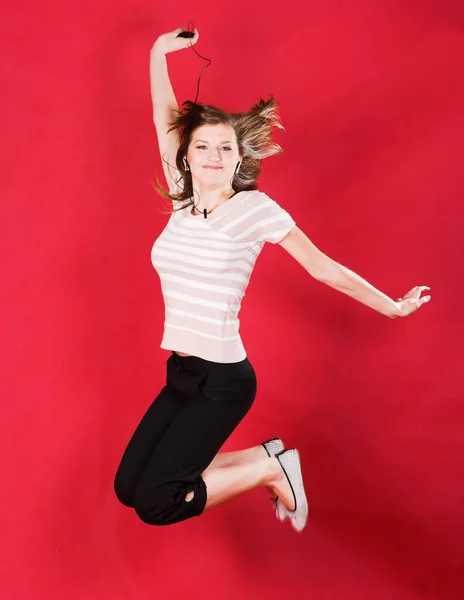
column 326, row 270
column 162, row 95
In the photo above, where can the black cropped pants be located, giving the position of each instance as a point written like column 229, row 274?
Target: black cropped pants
column 180, row 434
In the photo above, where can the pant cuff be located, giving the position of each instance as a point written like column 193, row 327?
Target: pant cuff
column 199, row 498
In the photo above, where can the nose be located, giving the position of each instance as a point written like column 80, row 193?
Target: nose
column 214, row 155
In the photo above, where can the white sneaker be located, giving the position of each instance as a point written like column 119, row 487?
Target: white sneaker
column 282, row 512
column 273, row 447
column 290, row 462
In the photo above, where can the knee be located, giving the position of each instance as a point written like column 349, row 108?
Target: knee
column 150, row 517
column 124, row 492
column 169, row 502
column 153, row 509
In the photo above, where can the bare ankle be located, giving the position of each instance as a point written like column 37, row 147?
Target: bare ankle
column 261, row 453
column 275, row 472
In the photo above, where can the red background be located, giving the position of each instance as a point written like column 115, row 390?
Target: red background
column 371, row 96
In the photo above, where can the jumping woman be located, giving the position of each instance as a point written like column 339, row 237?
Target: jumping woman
column 219, row 222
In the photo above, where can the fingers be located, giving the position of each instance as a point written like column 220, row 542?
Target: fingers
column 412, row 301
column 194, row 39
column 416, row 291
column 420, row 301
column 411, row 293
column 181, row 29
column 191, row 39
column 419, row 291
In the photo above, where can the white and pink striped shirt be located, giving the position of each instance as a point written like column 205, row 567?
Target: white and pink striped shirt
column 204, row 266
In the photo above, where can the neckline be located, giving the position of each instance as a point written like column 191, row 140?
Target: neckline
column 214, row 211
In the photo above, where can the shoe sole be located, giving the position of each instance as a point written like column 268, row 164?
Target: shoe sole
column 272, row 449
column 301, row 506
column 275, row 446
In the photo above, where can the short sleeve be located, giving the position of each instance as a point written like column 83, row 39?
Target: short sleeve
column 268, row 221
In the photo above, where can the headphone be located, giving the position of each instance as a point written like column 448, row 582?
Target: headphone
column 190, row 34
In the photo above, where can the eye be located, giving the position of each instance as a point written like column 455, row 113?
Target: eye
column 227, row 148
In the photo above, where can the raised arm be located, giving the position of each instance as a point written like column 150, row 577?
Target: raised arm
column 163, row 98
column 326, row 270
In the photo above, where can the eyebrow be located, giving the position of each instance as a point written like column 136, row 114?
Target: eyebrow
column 206, row 142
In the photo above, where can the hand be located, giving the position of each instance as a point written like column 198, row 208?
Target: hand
column 169, row 42
column 411, row 301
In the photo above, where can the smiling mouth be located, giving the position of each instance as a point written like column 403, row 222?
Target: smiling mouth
column 213, row 168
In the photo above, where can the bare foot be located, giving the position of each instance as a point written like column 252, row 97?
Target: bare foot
column 279, row 485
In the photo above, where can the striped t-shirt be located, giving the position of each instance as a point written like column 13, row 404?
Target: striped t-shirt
column 204, row 266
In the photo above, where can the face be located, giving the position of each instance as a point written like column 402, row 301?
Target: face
column 213, row 155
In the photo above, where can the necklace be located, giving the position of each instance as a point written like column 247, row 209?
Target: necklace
column 205, row 212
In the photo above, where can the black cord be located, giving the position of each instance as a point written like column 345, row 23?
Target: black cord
column 196, row 97
column 203, row 58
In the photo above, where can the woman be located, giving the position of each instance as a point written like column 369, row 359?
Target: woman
column 172, row 469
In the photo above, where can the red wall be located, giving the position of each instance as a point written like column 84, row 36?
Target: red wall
column 371, row 96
